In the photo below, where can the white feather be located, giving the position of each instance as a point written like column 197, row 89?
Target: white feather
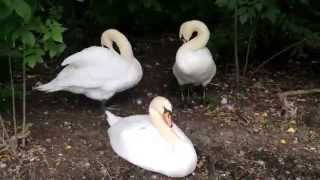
column 137, row 140
column 194, row 63
column 96, row 72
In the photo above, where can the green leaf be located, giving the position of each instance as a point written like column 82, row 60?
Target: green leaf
column 22, row 9
column 33, row 56
column 32, row 60
column 56, row 35
column 28, row 38
column 243, row 19
column 5, row 11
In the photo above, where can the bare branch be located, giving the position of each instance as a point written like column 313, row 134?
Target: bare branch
column 12, row 97
column 275, row 55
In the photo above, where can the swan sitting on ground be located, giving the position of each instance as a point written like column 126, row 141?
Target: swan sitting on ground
column 194, row 63
column 153, row 141
column 99, row 72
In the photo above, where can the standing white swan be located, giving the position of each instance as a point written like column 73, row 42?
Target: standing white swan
column 99, row 72
column 194, row 63
column 153, row 141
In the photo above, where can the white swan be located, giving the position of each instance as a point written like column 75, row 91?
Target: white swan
column 194, row 63
column 153, row 141
column 99, row 72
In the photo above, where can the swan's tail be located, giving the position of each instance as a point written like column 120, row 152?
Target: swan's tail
column 49, row 87
column 111, row 118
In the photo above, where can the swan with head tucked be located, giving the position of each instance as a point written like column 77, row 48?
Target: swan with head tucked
column 194, row 63
column 153, row 141
column 99, row 72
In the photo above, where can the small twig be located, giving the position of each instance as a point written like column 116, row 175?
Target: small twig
column 107, row 172
column 4, row 129
column 275, row 55
column 242, row 117
column 289, row 109
column 12, row 97
column 245, row 68
column 23, row 101
column 236, row 59
column 297, row 92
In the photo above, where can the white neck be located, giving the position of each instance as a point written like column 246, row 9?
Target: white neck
column 165, row 131
column 202, row 38
column 121, row 41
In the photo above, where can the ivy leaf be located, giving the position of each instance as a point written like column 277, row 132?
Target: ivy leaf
column 22, row 9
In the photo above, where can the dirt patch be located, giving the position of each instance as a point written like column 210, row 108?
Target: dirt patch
column 69, row 139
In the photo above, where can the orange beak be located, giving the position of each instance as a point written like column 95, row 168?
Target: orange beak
column 167, row 118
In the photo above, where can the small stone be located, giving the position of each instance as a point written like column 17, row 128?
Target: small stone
column 48, row 140
column 139, row 101
column 45, row 112
column 87, row 164
column 224, row 101
column 261, row 163
column 149, row 94
column 3, row 165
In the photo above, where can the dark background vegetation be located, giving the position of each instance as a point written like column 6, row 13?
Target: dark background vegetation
column 260, row 33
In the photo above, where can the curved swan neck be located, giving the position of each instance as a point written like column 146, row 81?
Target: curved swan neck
column 165, row 131
column 202, row 38
column 121, row 41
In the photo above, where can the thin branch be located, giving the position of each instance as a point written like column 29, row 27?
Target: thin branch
column 275, row 55
column 236, row 59
column 298, row 92
column 13, row 97
column 290, row 111
column 4, row 129
column 245, row 68
column 23, row 101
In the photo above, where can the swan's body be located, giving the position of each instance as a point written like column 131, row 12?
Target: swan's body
column 98, row 72
column 148, row 142
column 194, row 63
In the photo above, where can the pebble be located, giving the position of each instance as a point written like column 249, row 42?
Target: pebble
column 224, row 101
column 87, row 164
column 261, row 163
column 139, row 101
column 3, row 165
column 48, row 140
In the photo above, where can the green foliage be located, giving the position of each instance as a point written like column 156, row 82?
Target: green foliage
column 271, row 21
column 29, row 32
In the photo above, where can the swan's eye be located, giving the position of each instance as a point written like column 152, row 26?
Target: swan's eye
column 105, row 46
column 167, row 110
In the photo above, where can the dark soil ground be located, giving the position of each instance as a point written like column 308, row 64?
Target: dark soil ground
column 69, row 141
